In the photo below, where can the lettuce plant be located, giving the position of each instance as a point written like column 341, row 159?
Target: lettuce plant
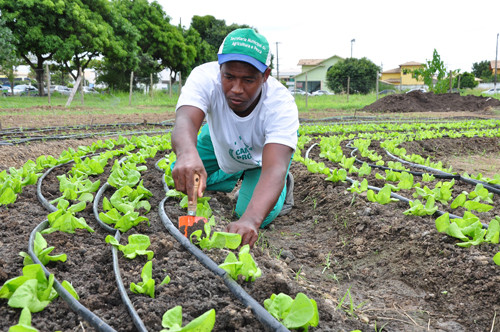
column 24, row 323
column 64, row 219
column 137, row 245
column 32, row 290
column 218, row 240
column 418, row 209
column 147, row 285
column 298, row 313
column 172, row 321
column 382, row 197
column 243, row 265
column 42, row 252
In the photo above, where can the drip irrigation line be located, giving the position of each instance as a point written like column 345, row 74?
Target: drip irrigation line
column 45, row 203
column 439, row 176
column 486, row 185
column 394, row 195
column 80, row 136
column 76, row 306
column 95, row 208
column 123, row 292
column 116, row 265
column 86, row 127
column 121, row 288
column 261, row 314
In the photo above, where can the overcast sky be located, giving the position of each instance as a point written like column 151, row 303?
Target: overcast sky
column 387, row 32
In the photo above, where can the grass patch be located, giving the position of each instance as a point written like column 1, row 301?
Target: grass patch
column 116, row 103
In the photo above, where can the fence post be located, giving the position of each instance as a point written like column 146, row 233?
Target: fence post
column 82, row 82
column 348, row 83
column 130, row 91
column 48, row 80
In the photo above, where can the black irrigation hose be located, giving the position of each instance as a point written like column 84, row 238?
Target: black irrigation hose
column 393, row 195
column 79, row 136
column 123, row 293
column 18, row 130
column 439, row 176
column 95, row 208
column 76, row 306
column 116, row 266
column 261, row 314
column 486, row 185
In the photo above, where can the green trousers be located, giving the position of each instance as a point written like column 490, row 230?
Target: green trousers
column 217, row 180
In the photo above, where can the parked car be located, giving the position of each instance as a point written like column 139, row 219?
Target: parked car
column 24, row 90
column 64, row 90
column 492, row 91
column 5, row 89
column 87, row 89
column 387, row 92
column 423, row 90
column 321, row 92
column 298, row 92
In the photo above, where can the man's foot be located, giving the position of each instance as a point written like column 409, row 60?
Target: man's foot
column 287, row 206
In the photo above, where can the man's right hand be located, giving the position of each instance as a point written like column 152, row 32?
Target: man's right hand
column 188, row 120
column 183, row 174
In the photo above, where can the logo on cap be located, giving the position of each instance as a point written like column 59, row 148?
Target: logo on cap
column 248, row 46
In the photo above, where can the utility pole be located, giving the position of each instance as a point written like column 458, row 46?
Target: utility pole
column 352, row 41
column 496, row 66
column 277, row 63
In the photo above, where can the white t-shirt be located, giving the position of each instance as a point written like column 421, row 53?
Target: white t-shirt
column 239, row 141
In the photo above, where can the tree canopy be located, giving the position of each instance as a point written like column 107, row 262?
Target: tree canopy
column 361, row 73
column 115, row 37
column 482, row 70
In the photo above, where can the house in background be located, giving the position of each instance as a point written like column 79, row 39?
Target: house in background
column 492, row 67
column 313, row 73
column 402, row 76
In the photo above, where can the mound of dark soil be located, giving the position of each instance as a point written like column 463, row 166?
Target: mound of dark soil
column 417, row 101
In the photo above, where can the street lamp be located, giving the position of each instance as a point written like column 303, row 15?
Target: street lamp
column 496, row 67
column 277, row 63
column 352, row 41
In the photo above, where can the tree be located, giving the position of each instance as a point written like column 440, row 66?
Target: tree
column 362, row 74
column 36, row 30
column 433, row 69
column 213, row 31
column 467, row 80
column 161, row 44
column 482, row 70
column 7, row 49
column 8, row 58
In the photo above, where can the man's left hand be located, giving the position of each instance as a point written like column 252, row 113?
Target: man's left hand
column 249, row 233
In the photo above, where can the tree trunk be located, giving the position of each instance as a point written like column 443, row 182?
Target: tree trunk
column 39, row 75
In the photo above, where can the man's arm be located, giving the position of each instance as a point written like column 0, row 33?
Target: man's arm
column 188, row 120
column 275, row 160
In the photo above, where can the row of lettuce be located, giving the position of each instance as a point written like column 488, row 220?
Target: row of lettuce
column 125, row 208
column 431, row 196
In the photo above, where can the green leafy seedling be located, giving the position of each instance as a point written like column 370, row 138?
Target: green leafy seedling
column 42, row 252
column 298, row 313
column 24, row 324
column 137, row 245
column 218, row 240
column 147, row 285
column 243, row 265
column 172, row 321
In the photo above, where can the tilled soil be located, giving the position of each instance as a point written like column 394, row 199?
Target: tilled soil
column 389, row 270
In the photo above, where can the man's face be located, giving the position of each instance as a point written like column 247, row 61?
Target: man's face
column 242, row 85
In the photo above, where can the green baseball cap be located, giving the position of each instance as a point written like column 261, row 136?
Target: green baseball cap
column 248, row 46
